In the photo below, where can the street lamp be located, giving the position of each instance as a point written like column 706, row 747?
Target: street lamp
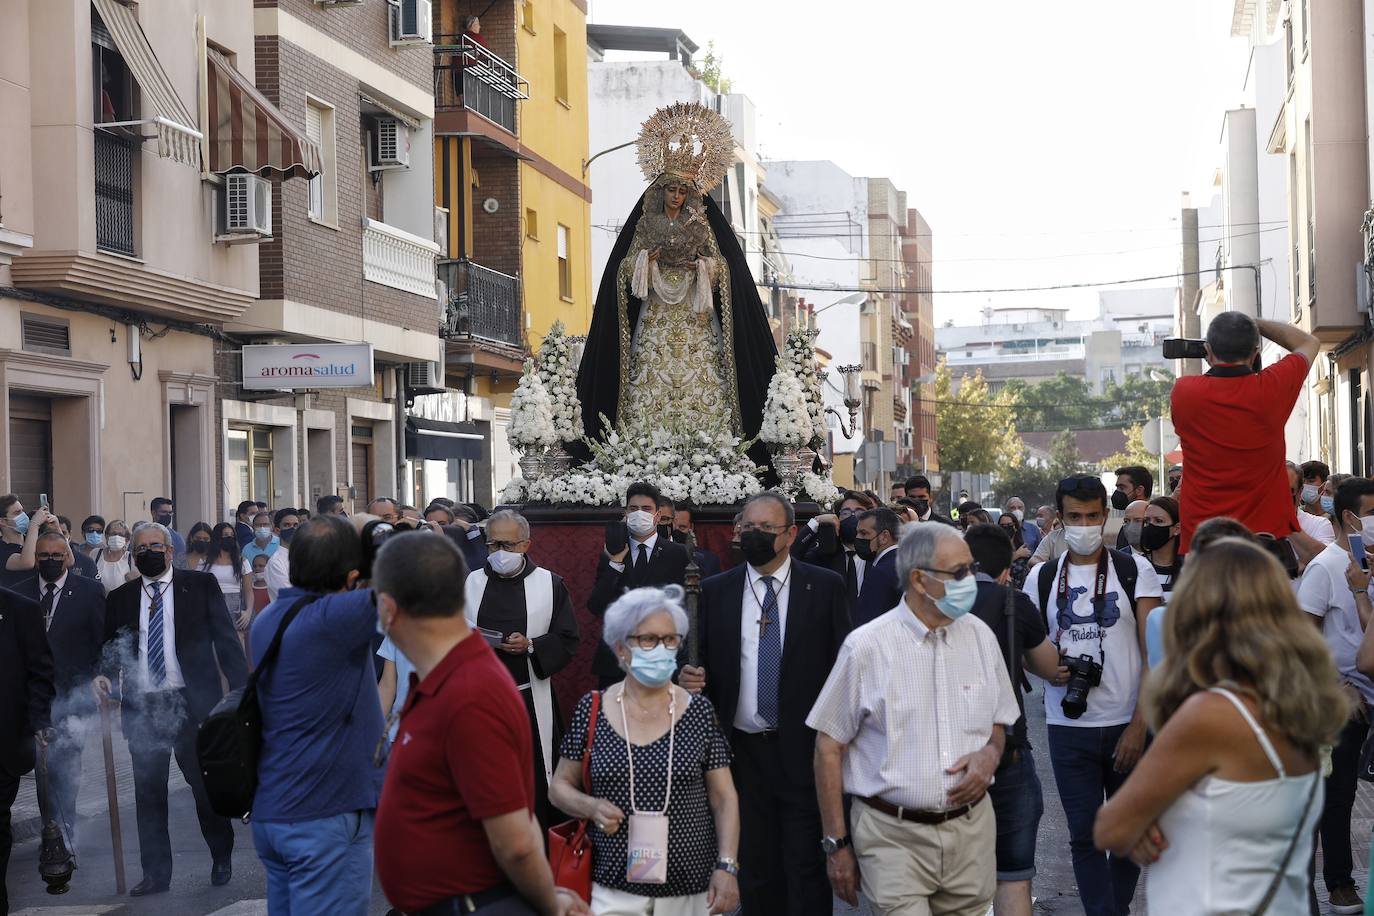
column 851, row 400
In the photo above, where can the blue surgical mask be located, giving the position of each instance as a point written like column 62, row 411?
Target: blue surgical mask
column 21, row 523
column 960, row 594
column 95, row 539
column 1328, row 504
column 262, row 534
column 653, row 667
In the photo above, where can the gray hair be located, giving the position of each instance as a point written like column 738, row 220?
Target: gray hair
column 918, row 546
column 628, row 611
column 163, row 529
column 789, row 514
column 510, row 515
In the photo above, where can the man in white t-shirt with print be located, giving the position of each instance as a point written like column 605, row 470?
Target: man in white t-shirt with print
column 1092, row 619
column 1342, row 612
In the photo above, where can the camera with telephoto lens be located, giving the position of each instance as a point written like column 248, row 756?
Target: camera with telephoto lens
column 1184, row 348
column 1084, row 675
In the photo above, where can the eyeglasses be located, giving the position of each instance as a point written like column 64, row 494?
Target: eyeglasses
column 93, row 531
column 1084, row 484
column 652, row 640
column 494, row 546
column 766, row 529
column 50, row 556
column 149, row 548
column 957, row 574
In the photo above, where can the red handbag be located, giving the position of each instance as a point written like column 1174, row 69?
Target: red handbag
column 570, row 849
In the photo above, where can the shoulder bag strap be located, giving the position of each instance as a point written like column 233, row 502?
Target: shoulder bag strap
column 587, row 750
column 1292, row 845
column 275, row 647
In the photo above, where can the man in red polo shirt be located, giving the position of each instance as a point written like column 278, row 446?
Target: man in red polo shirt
column 455, row 829
column 1230, row 424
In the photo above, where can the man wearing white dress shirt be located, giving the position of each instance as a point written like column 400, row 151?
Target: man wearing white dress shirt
column 1314, row 526
column 911, row 723
column 168, row 685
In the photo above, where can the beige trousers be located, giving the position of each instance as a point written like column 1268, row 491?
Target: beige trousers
column 910, row 869
column 607, row 902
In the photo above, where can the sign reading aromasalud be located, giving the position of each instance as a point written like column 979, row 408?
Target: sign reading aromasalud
column 275, row 366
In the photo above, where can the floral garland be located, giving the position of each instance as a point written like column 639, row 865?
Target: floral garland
column 818, row 489
column 800, row 355
column 786, row 421
column 531, row 427
column 560, row 381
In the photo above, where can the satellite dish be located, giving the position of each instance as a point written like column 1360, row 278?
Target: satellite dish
column 491, row 205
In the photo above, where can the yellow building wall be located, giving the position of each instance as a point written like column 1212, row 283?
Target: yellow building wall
column 555, row 130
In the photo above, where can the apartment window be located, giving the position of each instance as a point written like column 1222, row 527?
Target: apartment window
column 249, row 464
column 527, row 15
column 1306, row 27
column 116, row 148
column 532, row 224
column 319, row 127
column 565, row 289
column 560, row 65
column 1310, row 205
column 1295, row 267
column 1290, row 57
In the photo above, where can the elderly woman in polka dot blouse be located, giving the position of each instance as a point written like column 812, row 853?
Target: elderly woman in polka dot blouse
column 661, row 798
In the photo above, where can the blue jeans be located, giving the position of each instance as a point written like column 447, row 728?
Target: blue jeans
column 318, row 868
column 1083, row 769
column 1018, row 802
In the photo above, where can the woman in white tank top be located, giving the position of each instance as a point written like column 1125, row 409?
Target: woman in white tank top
column 1223, row 805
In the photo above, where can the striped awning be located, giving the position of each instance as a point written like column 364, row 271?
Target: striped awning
column 177, row 138
column 248, row 133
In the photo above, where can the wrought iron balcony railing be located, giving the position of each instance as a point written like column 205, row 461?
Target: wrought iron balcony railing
column 482, row 303
column 468, row 75
column 115, row 158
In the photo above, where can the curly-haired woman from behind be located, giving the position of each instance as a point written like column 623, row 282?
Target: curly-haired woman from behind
column 1223, row 805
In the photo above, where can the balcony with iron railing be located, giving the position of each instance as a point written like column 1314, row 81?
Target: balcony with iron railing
column 115, row 161
column 470, row 77
column 483, row 304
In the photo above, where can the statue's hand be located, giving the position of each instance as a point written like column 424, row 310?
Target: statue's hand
column 653, row 254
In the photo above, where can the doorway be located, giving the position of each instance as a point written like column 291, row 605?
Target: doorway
column 31, row 449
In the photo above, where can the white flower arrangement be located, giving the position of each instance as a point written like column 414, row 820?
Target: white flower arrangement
column 531, row 415
column 800, row 354
column 560, row 381
column 818, row 489
column 787, row 424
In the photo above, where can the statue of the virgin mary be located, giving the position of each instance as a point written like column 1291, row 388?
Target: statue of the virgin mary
column 679, row 338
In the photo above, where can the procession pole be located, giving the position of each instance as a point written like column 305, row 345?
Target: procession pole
column 691, row 584
column 112, row 796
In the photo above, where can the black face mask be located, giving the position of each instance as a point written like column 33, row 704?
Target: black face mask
column 1120, row 500
column 736, row 553
column 665, row 532
column 164, row 519
column 199, row 546
column 757, row 547
column 1173, row 484
column 864, row 549
column 679, row 537
column 1153, row 537
column 922, row 506
column 50, row 570
column 151, row 564
column 849, row 529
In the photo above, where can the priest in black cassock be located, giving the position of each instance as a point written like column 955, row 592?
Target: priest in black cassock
column 525, row 614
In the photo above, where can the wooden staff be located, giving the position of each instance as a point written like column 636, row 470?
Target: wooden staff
column 112, row 795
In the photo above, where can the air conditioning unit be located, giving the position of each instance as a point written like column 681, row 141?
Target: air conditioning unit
column 245, row 209
column 424, row 378
column 411, row 22
column 393, row 144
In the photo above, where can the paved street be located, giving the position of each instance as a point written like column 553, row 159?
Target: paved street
column 192, row 895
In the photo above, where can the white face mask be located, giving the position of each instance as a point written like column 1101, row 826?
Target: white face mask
column 1367, row 530
column 1083, row 540
column 505, row 562
column 1019, row 515
column 641, row 523
column 116, row 542
column 1309, row 493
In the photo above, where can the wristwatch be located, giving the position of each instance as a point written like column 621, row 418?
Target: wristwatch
column 833, row 844
column 728, row 865
column 529, row 650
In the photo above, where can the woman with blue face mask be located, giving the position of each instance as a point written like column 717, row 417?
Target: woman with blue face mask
column 18, row 538
column 661, row 804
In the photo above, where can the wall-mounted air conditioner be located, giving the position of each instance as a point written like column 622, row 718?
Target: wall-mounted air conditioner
column 424, row 377
column 411, row 22
column 393, row 144
column 245, row 209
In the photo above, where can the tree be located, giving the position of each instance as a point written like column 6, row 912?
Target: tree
column 1133, row 453
column 975, row 428
column 1139, row 397
column 710, row 71
column 1062, row 402
column 1036, row 485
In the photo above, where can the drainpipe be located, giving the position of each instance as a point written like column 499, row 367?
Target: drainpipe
column 400, row 425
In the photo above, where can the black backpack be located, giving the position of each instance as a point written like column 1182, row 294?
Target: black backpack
column 229, row 741
column 1126, row 573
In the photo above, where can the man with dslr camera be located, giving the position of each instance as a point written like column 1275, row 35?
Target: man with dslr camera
column 1094, row 601
column 1230, row 425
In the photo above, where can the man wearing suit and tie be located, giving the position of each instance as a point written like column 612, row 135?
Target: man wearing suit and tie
column 171, row 633
column 73, row 613
column 876, row 544
column 768, row 633
column 646, row 559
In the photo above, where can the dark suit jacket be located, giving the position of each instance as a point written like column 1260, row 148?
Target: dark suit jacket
column 881, row 590
column 77, row 631
column 667, row 566
column 820, row 550
column 817, row 623
column 206, row 642
column 26, row 681
column 708, row 563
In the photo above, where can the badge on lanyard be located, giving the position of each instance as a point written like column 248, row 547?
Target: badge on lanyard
column 646, row 860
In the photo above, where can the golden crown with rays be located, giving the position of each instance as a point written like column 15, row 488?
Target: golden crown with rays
column 689, row 141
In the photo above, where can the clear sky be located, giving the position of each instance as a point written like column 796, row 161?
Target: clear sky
column 1044, row 143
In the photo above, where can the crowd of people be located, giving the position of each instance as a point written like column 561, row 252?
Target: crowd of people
column 840, row 712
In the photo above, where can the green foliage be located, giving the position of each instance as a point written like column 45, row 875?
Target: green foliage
column 1036, row 485
column 1133, row 453
column 1140, row 397
column 974, row 427
column 1067, row 402
column 710, row 71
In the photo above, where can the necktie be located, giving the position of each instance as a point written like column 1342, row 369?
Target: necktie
column 641, row 562
column 157, row 662
column 851, row 576
column 47, row 605
column 770, row 656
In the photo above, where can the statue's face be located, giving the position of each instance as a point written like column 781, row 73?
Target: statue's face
column 674, row 195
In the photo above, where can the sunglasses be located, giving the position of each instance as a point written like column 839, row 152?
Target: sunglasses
column 1086, row 485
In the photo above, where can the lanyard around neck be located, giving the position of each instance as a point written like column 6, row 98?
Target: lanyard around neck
column 629, row 750
column 1099, row 601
